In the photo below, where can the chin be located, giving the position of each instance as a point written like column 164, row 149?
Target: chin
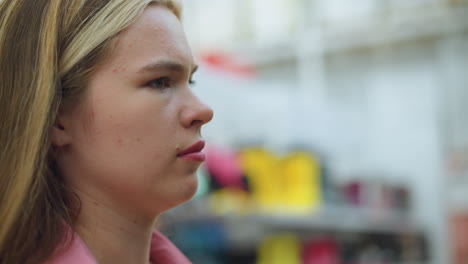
column 186, row 191
column 190, row 188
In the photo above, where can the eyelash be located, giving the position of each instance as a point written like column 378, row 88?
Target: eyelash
column 166, row 83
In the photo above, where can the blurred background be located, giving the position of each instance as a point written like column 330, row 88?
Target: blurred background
column 340, row 133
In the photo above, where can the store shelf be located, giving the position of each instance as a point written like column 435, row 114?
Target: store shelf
column 342, row 220
column 244, row 232
column 457, row 197
column 355, row 220
column 377, row 31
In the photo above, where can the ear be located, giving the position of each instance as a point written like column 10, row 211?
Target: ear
column 60, row 136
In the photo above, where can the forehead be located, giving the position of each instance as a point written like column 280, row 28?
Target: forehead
column 157, row 34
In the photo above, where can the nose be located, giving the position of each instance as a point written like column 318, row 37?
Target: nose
column 196, row 113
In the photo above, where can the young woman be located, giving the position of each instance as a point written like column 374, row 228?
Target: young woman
column 100, row 131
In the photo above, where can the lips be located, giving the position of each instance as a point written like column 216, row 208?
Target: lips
column 193, row 152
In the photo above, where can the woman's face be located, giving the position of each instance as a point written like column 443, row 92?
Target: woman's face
column 122, row 143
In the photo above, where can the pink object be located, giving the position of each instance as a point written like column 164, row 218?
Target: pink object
column 162, row 252
column 321, row 251
column 224, row 166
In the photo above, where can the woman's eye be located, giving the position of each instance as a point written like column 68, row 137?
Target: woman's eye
column 160, row 83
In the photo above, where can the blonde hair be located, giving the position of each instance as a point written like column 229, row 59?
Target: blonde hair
column 48, row 50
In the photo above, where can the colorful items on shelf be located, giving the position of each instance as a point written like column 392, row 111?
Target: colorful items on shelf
column 280, row 249
column 321, row 251
column 288, row 248
column 368, row 249
column 259, row 182
column 300, row 178
column 263, row 173
column 287, row 184
column 227, row 201
column 208, row 242
column 257, row 179
column 224, row 167
column 375, row 195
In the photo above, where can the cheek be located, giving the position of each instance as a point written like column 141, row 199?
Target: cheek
column 125, row 148
column 134, row 138
column 136, row 163
column 130, row 151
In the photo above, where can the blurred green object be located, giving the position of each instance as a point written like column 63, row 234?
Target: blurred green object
column 203, row 183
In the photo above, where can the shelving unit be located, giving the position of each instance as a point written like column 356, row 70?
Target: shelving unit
column 325, row 219
column 414, row 43
column 247, row 229
column 382, row 30
column 244, row 232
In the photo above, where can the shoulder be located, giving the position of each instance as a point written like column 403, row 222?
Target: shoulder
column 74, row 252
column 163, row 251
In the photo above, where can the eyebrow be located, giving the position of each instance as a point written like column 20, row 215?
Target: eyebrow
column 167, row 65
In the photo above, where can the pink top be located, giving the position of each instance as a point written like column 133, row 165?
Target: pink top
column 162, row 252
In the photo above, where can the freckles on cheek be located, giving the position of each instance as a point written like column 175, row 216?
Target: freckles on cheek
column 123, row 134
column 105, row 129
column 119, row 142
column 119, row 69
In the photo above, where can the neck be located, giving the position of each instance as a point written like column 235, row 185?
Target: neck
column 114, row 235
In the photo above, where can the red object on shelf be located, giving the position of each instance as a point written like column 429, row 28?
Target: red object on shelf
column 459, row 237
column 353, row 193
column 223, row 62
column 321, row 251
